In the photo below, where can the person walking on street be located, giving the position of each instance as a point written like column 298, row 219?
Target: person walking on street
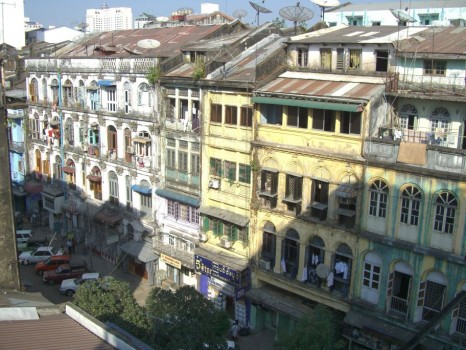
column 69, row 245
column 234, row 331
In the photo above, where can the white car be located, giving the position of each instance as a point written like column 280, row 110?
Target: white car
column 40, row 254
column 70, row 286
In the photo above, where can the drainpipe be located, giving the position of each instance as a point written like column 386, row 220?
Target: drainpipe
column 62, row 146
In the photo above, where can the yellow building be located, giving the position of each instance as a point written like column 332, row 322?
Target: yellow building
column 307, row 187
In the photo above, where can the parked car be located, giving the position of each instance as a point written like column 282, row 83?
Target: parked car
column 64, row 272
column 70, row 286
column 31, row 244
column 22, row 236
column 51, row 263
column 40, row 254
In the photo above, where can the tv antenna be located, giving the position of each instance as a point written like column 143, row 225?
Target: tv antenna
column 260, row 9
column 241, row 13
column 296, row 14
column 402, row 16
column 324, row 4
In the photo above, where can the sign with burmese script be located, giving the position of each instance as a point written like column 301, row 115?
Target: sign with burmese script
column 170, row 261
column 212, row 268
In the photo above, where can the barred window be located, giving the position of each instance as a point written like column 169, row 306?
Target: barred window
column 215, row 166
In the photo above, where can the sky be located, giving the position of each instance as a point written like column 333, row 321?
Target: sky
column 72, row 12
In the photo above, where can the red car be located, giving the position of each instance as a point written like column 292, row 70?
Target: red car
column 51, row 263
column 64, row 272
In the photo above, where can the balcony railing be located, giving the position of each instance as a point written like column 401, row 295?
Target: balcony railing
column 399, row 305
column 187, row 258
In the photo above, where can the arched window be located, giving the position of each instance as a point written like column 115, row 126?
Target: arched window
column 69, row 132
column 399, row 289
column 35, row 127
column 70, row 173
column 410, row 206
column 445, row 211
column 67, row 88
column 44, row 90
column 440, row 123
column 38, row 158
column 80, row 94
column 431, row 295
column 371, row 277
column 269, row 242
column 57, row 170
column 129, row 193
column 378, row 199
column 94, row 95
column 341, row 269
column 130, row 232
column 290, row 254
column 54, row 87
column 33, row 90
column 315, row 255
column 144, row 95
column 112, row 144
column 113, row 188
column 408, row 117
column 146, row 197
column 127, row 96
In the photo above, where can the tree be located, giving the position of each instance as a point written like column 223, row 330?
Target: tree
column 279, row 22
column 316, row 332
column 110, row 300
column 185, row 320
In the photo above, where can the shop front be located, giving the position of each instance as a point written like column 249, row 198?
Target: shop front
column 139, row 258
column 224, row 279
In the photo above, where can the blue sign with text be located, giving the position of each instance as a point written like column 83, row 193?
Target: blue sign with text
column 212, row 268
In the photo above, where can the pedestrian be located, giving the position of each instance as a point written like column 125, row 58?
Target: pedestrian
column 234, row 331
column 69, row 245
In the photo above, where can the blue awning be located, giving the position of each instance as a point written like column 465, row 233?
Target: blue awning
column 106, row 83
column 141, row 189
column 195, row 202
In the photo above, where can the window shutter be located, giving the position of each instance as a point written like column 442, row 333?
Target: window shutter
column 274, row 182
column 390, row 289
column 298, row 189
column 420, row 301
column 205, row 224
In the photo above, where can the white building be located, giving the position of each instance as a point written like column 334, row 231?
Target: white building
column 12, row 23
column 58, row 35
column 28, row 25
column 430, row 12
column 106, row 19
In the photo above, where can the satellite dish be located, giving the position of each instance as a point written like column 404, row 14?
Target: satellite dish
column 241, row 13
column 162, row 19
column 322, row 271
column 296, row 14
column 148, row 43
column 323, row 4
column 402, row 16
column 259, row 9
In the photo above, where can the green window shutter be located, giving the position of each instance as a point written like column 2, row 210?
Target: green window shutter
column 212, row 166
column 248, row 174
column 205, row 224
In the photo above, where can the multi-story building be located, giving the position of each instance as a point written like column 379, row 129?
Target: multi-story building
column 109, row 18
column 94, row 126
column 411, row 259
column 182, row 188
column 413, row 13
column 12, row 25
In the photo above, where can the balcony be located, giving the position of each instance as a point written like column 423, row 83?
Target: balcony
column 187, row 258
column 93, row 150
column 438, row 158
column 17, row 146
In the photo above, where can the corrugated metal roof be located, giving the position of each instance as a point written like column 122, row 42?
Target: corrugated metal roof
column 385, row 5
column 48, row 332
column 447, row 40
column 357, row 34
column 322, row 88
column 124, row 42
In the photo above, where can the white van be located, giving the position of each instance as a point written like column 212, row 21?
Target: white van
column 22, row 236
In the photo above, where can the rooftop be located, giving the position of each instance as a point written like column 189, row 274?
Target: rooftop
column 385, row 5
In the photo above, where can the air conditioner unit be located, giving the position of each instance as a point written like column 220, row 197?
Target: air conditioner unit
column 203, row 237
column 130, row 149
column 264, row 264
column 141, row 134
column 225, row 242
column 214, row 183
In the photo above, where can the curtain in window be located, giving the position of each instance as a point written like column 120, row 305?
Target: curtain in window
column 355, row 59
column 326, row 58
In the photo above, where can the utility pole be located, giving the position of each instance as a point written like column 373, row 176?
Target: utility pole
column 9, row 278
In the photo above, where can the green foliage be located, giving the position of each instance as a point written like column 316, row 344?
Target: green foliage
column 279, row 22
column 110, row 300
column 154, row 75
column 185, row 320
column 317, row 332
column 199, row 69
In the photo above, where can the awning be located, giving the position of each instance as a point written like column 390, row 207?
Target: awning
column 106, row 83
column 346, row 212
column 141, row 250
column 319, row 206
column 94, row 178
column 308, row 104
column 32, row 187
column 53, row 191
column 193, row 201
column 73, row 207
column 69, row 169
column 280, row 300
column 346, row 191
column 108, row 217
column 141, row 139
column 141, row 189
column 225, row 215
column 224, row 257
column 92, row 87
